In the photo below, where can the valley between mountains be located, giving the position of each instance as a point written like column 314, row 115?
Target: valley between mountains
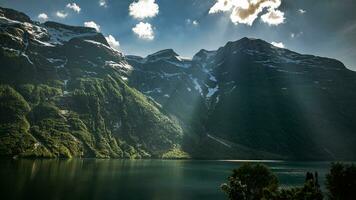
column 64, row 92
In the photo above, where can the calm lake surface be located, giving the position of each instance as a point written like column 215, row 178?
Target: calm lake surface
column 132, row 179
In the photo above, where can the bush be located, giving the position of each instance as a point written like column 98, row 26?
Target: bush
column 256, row 182
column 310, row 190
column 341, row 182
column 249, row 182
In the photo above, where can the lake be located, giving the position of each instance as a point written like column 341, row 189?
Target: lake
column 133, row 179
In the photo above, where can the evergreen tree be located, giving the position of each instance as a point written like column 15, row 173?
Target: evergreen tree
column 249, row 182
column 341, row 182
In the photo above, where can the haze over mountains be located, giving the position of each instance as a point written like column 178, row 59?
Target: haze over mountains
column 66, row 93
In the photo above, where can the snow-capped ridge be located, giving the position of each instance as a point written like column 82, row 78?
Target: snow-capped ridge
column 168, row 56
column 164, row 52
column 14, row 15
column 76, row 29
column 105, row 46
column 162, row 55
column 60, row 33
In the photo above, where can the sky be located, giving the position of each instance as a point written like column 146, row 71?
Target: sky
column 141, row 27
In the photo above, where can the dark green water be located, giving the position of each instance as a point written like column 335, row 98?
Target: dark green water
column 132, row 179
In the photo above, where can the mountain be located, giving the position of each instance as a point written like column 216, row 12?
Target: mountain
column 250, row 97
column 170, row 80
column 64, row 93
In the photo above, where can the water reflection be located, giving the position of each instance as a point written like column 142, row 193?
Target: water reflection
column 130, row 179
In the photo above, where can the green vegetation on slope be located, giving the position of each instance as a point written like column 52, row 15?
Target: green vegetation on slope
column 15, row 138
column 96, row 117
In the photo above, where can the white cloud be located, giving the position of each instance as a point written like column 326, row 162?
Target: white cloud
column 74, row 7
column 103, row 3
column 61, row 14
column 143, row 9
column 296, row 35
column 42, row 17
column 301, row 11
column 222, row 6
column 247, row 11
column 278, row 44
column 112, row 42
column 144, row 31
column 273, row 17
column 92, row 24
column 192, row 22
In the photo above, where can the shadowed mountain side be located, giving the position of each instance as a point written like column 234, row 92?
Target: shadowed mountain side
column 259, row 96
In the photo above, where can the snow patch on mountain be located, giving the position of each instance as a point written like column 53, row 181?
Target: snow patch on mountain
column 11, row 50
column 180, row 64
column 156, row 90
column 18, row 53
column 105, row 46
column 120, row 65
column 124, row 78
column 212, row 91
column 196, row 85
column 27, row 58
column 55, row 60
column 60, row 35
column 4, row 20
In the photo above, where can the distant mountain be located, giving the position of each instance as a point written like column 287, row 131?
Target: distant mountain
column 64, row 92
column 252, row 96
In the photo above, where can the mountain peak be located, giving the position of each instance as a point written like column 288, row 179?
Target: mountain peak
column 247, row 39
column 14, row 15
column 67, row 32
column 164, row 53
column 203, row 54
column 248, row 42
column 77, row 29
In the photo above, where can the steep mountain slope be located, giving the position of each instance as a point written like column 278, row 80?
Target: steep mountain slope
column 280, row 101
column 63, row 94
column 257, row 97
